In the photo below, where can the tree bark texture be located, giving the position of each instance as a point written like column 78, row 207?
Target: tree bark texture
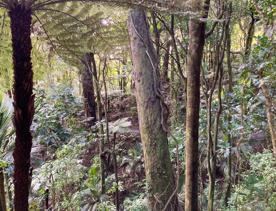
column 88, row 89
column 229, row 117
column 159, row 171
column 3, row 206
column 23, row 102
column 195, row 51
column 249, row 36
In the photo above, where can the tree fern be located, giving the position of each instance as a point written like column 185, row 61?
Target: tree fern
column 75, row 29
column 5, row 52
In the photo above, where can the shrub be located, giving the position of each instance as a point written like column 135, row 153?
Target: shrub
column 257, row 191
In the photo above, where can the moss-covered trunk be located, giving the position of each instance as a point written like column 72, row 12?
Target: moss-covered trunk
column 159, row 171
column 23, row 102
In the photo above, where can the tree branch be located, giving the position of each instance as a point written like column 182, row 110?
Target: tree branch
column 213, row 26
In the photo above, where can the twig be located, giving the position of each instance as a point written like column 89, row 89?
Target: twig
column 116, row 173
column 172, row 34
column 177, row 173
column 213, row 26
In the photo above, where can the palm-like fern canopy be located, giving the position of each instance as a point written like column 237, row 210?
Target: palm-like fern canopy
column 5, row 119
column 176, row 6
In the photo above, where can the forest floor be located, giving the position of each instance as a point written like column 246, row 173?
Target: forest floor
column 128, row 148
column 129, row 164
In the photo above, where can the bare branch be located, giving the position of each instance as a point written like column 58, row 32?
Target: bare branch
column 172, row 34
column 213, row 26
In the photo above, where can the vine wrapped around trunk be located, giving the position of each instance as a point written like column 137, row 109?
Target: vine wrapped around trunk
column 23, row 102
column 158, row 166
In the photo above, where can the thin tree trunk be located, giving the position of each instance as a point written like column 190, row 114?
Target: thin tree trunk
column 88, row 89
column 270, row 116
column 114, row 154
column 195, row 52
column 250, row 35
column 9, row 193
column 98, row 88
column 124, row 78
column 119, row 78
column 210, row 155
column 99, row 117
column 3, row 206
column 269, row 100
column 47, row 199
column 177, row 56
column 104, row 70
column 23, row 102
column 165, row 67
column 159, row 171
column 229, row 117
column 212, row 141
column 156, row 36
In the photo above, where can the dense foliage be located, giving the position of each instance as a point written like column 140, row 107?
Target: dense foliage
column 107, row 161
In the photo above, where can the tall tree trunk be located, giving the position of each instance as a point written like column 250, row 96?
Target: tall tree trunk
column 212, row 141
column 229, row 117
column 195, row 52
column 23, row 102
column 159, row 171
column 88, row 89
column 99, row 117
column 219, row 49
